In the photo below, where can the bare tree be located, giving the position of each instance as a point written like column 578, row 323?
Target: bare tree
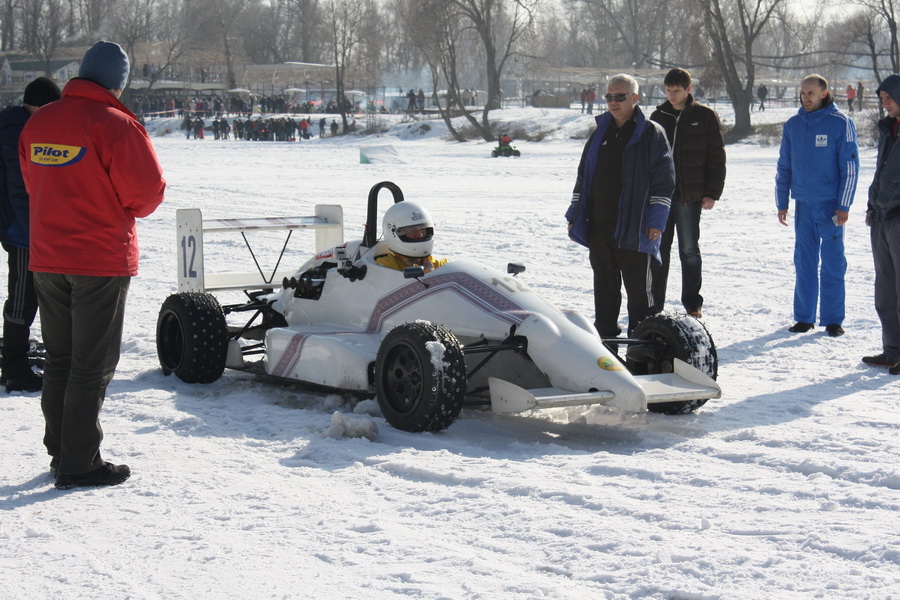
column 499, row 24
column 401, row 54
column 89, row 17
column 10, row 9
column 435, row 28
column 634, row 25
column 226, row 15
column 175, row 34
column 733, row 27
column 885, row 12
column 282, row 30
column 344, row 24
column 864, row 35
column 44, row 26
column 133, row 22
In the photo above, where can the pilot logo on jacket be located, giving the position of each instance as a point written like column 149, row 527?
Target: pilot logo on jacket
column 56, row 155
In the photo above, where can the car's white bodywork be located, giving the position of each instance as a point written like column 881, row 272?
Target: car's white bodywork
column 332, row 334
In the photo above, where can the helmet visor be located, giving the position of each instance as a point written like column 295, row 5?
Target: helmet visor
column 415, row 233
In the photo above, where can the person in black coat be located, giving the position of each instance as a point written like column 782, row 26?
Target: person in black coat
column 21, row 304
column 695, row 134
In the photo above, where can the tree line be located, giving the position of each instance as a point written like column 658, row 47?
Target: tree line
column 458, row 44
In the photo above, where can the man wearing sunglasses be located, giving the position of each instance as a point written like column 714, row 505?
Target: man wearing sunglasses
column 620, row 205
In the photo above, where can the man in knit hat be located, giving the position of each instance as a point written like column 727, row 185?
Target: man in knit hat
column 21, row 302
column 883, row 217
column 90, row 171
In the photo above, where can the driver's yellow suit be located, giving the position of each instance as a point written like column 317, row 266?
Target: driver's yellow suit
column 399, row 262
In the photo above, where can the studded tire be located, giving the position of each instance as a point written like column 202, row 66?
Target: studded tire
column 683, row 337
column 192, row 337
column 420, row 377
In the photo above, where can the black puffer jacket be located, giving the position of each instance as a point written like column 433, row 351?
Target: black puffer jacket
column 698, row 148
column 884, row 193
column 13, row 197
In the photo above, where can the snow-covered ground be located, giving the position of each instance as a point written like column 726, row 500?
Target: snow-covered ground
column 787, row 487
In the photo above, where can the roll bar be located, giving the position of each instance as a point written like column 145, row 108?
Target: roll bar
column 371, row 234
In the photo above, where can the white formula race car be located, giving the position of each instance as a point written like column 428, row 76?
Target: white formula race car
column 426, row 345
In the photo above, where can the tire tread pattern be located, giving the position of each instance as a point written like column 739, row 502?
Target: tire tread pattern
column 192, row 337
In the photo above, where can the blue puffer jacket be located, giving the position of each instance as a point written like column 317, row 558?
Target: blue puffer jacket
column 819, row 161
column 648, row 181
column 13, row 197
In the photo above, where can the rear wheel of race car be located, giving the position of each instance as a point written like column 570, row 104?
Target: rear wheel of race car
column 676, row 337
column 420, row 377
column 192, row 337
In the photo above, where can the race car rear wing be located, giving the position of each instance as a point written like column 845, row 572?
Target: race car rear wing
column 328, row 222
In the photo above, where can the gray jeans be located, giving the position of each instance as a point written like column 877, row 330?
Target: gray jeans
column 886, row 251
column 81, row 323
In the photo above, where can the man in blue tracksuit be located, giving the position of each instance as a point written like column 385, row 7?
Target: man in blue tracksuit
column 818, row 166
column 620, row 205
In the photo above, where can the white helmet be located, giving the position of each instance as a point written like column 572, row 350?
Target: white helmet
column 408, row 229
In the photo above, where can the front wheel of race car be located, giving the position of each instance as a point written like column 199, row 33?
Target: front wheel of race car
column 684, row 338
column 192, row 337
column 420, row 377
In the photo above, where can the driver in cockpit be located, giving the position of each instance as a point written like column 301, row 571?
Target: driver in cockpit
column 409, row 231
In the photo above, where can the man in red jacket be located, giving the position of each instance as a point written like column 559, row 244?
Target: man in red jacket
column 90, row 170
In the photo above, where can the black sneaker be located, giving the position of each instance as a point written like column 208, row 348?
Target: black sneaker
column 879, row 360
column 834, row 330
column 895, row 370
column 108, row 474
column 27, row 382
column 800, row 327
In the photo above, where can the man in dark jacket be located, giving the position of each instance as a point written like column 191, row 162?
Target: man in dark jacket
column 620, row 205
column 698, row 148
column 21, row 303
column 883, row 216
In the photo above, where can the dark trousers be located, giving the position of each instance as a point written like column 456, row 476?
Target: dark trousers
column 612, row 267
column 81, row 322
column 19, row 311
column 684, row 219
column 886, row 251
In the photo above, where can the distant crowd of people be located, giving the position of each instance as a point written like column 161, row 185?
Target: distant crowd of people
column 273, row 129
column 155, row 104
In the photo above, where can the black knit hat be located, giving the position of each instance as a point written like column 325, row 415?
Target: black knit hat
column 41, row 91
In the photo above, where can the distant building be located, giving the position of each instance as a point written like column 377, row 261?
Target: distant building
column 21, row 69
